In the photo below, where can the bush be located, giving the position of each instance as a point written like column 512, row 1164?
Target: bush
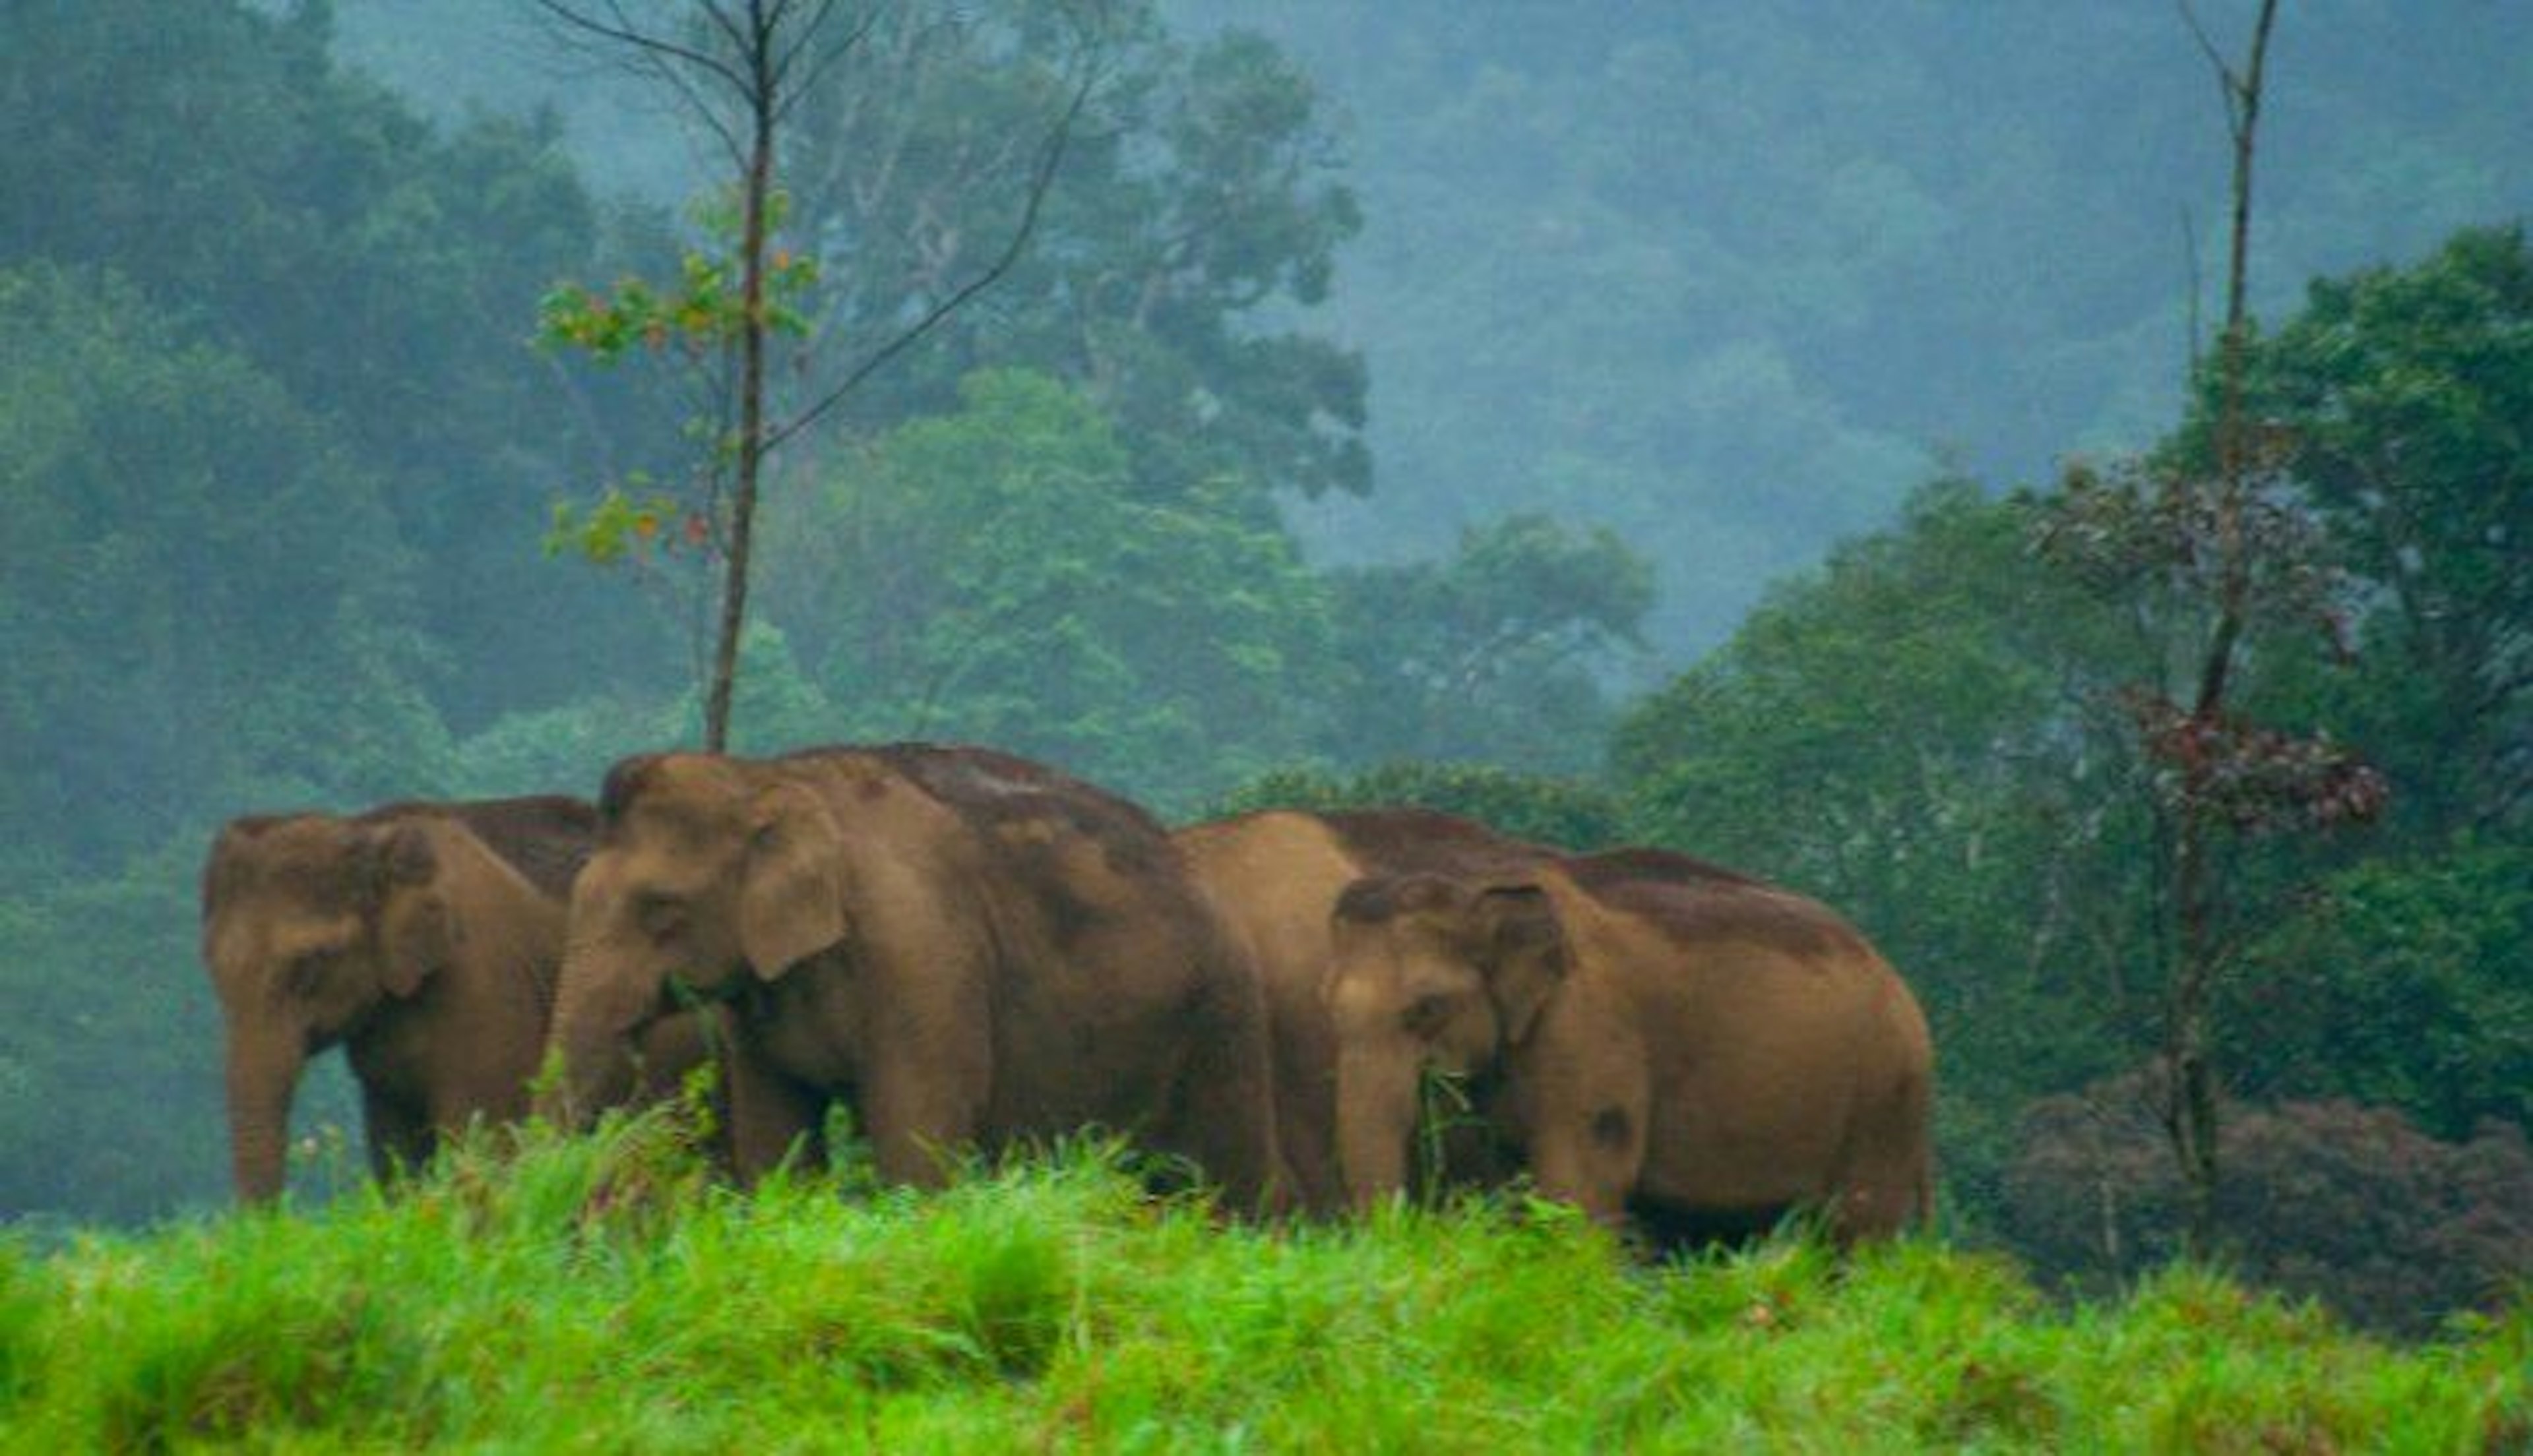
column 2405, row 983
column 2332, row 1199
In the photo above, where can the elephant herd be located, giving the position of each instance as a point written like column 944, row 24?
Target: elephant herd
column 967, row 949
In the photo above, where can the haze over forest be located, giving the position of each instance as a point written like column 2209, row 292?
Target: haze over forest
column 1625, row 422
column 1734, row 278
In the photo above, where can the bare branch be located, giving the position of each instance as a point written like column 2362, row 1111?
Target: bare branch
column 2206, row 45
column 2198, row 285
column 620, row 27
column 666, row 62
column 805, row 36
column 1042, row 182
column 740, row 40
column 703, row 109
column 824, row 65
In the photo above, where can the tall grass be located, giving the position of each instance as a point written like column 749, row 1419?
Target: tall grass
column 601, row 1294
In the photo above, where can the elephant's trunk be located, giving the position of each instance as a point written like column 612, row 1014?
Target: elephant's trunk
column 262, row 1072
column 595, row 1014
column 1376, row 1119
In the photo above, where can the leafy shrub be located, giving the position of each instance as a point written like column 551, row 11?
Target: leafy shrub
column 2349, row 1203
column 2405, row 983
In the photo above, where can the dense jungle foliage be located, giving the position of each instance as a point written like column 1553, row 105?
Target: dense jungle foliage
column 1616, row 428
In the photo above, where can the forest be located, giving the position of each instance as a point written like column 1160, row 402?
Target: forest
column 1748, row 431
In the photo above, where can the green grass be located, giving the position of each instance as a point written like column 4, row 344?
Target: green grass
column 601, row 1295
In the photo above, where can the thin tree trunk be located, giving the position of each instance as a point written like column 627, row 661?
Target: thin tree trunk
column 2191, row 1115
column 762, row 54
column 751, row 409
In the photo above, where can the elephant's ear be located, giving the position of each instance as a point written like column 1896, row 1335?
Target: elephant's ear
column 790, row 904
column 417, row 935
column 1522, row 946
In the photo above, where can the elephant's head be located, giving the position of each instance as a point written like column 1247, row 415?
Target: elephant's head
column 710, row 873
column 310, row 926
column 1428, row 974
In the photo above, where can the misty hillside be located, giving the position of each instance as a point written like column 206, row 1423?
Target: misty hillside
column 1735, row 278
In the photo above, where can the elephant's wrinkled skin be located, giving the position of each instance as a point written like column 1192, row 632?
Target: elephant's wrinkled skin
column 423, row 938
column 963, row 946
column 1659, row 1036
column 1277, row 876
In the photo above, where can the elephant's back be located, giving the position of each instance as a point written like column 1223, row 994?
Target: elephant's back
column 1270, row 873
column 1278, row 873
column 1404, row 841
column 1083, row 893
column 546, row 837
column 1015, row 802
column 1698, row 905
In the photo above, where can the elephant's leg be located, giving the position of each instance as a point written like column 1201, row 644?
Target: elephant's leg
column 919, row 1114
column 1225, row 1113
column 1569, row 1172
column 770, row 1114
column 1582, row 1099
column 923, row 1056
column 1586, row 1146
column 399, row 1137
column 1886, row 1177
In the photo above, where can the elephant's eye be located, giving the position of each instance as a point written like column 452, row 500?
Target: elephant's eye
column 307, row 972
column 1426, row 1015
column 659, row 915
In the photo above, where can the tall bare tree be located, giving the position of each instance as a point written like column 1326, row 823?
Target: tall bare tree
column 2190, row 1115
column 2218, row 538
column 740, row 69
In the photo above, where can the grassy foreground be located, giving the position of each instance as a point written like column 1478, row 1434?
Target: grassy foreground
column 598, row 1295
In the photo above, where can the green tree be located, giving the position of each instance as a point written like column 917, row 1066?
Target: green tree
column 1497, row 654
column 1194, row 219
column 204, row 602
column 109, row 1055
column 2405, row 396
column 996, row 575
column 1912, row 733
column 373, row 268
column 2401, row 982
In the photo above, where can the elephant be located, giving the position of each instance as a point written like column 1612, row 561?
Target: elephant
column 964, row 947
column 1276, row 875
column 1661, row 1037
column 425, row 939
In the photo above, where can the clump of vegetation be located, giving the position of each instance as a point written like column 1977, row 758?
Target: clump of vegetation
column 2349, row 1203
column 600, row 1293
